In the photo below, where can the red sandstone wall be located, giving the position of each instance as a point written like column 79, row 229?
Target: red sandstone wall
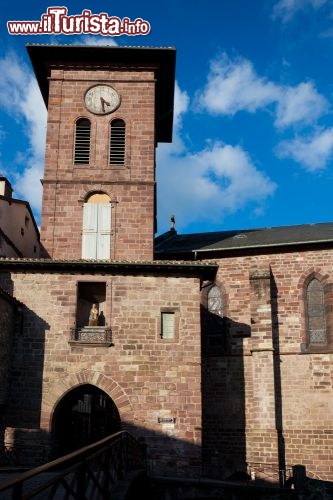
column 273, row 409
column 147, row 377
column 257, row 406
column 131, row 188
column 7, row 315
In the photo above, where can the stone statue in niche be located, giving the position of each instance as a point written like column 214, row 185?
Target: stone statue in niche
column 93, row 316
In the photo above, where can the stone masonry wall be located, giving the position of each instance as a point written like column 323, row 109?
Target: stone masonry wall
column 147, row 377
column 7, row 315
column 270, row 400
column 131, row 187
column 267, row 402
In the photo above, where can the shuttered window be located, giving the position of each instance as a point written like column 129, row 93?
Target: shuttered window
column 167, row 325
column 117, row 142
column 96, row 236
column 82, row 141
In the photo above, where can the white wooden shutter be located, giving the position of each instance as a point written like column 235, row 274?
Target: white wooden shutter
column 104, row 231
column 89, row 234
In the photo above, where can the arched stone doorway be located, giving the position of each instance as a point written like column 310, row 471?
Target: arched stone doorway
column 84, row 415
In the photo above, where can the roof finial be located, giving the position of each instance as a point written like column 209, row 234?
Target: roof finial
column 172, row 223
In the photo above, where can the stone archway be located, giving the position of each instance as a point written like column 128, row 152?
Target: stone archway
column 64, row 394
column 83, row 416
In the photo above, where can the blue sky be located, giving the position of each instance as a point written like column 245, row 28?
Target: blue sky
column 253, row 131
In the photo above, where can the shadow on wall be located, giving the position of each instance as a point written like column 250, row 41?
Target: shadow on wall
column 223, row 447
column 22, row 408
column 26, row 372
column 223, row 426
column 223, row 396
column 277, row 379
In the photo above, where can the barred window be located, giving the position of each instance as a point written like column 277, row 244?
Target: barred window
column 315, row 305
column 82, row 141
column 117, row 142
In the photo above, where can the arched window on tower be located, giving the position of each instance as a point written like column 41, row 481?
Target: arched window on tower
column 96, row 234
column 117, row 142
column 315, row 309
column 82, row 141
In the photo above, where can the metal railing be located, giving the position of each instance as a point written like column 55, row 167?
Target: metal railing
column 91, row 335
column 270, row 473
column 86, row 474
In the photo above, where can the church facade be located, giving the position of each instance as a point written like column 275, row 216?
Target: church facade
column 214, row 349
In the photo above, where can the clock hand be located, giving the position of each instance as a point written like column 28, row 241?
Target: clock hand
column 104, row 103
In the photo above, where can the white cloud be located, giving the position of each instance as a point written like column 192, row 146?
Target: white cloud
column 97, row 40
column 209, row 185
column 286, row 9
column 206, row 185
column 181, row 104
column 301, row 104
column 233, row 86
column 21, row 98
column 313, row 152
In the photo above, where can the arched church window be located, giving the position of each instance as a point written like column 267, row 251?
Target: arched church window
column 214, row 300
column 96, row 234
column 213, row 322
column 117, row 142
column 82, row 141
column 315, row 307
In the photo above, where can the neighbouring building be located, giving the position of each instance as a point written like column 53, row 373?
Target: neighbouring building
column 19, row 234
column 215, row 349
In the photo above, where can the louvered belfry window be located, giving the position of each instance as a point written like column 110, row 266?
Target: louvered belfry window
column 117, row 142
column 82, row 141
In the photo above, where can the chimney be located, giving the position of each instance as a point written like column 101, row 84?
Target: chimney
column 5, row 187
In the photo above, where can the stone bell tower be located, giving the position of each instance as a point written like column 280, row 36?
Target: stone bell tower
column 108, row 108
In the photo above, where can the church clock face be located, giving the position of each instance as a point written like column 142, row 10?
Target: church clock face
column 101, row 99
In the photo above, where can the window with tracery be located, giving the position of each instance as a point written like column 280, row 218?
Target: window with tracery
column 214, row 301
column 213, row 323
column 315, row 307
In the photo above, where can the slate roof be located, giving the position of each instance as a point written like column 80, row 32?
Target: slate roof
column 288, row 237
column 205, row 269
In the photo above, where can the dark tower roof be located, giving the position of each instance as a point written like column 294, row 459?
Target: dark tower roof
column 162, row 60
